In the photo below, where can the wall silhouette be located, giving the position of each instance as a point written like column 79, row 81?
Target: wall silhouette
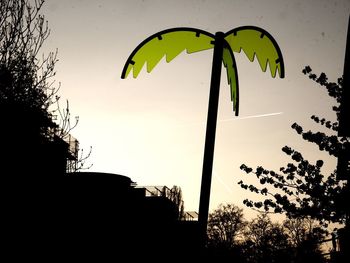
column 94, row 215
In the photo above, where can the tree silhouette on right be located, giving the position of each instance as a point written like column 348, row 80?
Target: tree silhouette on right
column 300, row 189
column 260, row 240
column 265, row 241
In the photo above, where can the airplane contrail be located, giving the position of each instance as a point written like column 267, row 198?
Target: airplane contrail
column 252, row 116
column 218, row 177
column 235, row 118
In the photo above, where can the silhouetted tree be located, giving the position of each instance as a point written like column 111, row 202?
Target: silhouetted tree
column 225, row 229
column 304, row 236
column 230, row 236
column 300, row 188
column 298, row 229
column 26, row 90
column 265, row 241
column 28, row 93
column 226, row 224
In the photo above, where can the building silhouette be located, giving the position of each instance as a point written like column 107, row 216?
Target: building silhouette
column 114, row 208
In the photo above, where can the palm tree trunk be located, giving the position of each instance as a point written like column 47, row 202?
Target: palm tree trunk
column 210, row 137
column 344, row 156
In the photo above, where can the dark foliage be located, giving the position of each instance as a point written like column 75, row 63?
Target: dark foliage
column 26, row 92
column 225, row 225
column 231, row 236
column 35, row 128
column 300, row 189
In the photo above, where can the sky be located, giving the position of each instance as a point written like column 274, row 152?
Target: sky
column 152, row 128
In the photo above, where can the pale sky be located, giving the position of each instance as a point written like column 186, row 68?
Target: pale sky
column 152, row 128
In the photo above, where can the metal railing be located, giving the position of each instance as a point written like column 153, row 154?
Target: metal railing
column 164, row 191
column 73, row 145
column 191, row 216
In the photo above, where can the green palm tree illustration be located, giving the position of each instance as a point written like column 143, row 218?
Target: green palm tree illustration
column 254, row 41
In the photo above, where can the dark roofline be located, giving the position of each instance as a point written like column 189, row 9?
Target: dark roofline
column 101, row 175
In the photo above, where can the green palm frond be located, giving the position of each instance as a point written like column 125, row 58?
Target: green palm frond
column 168, row 43
column 255, row 41
column 230, row 64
